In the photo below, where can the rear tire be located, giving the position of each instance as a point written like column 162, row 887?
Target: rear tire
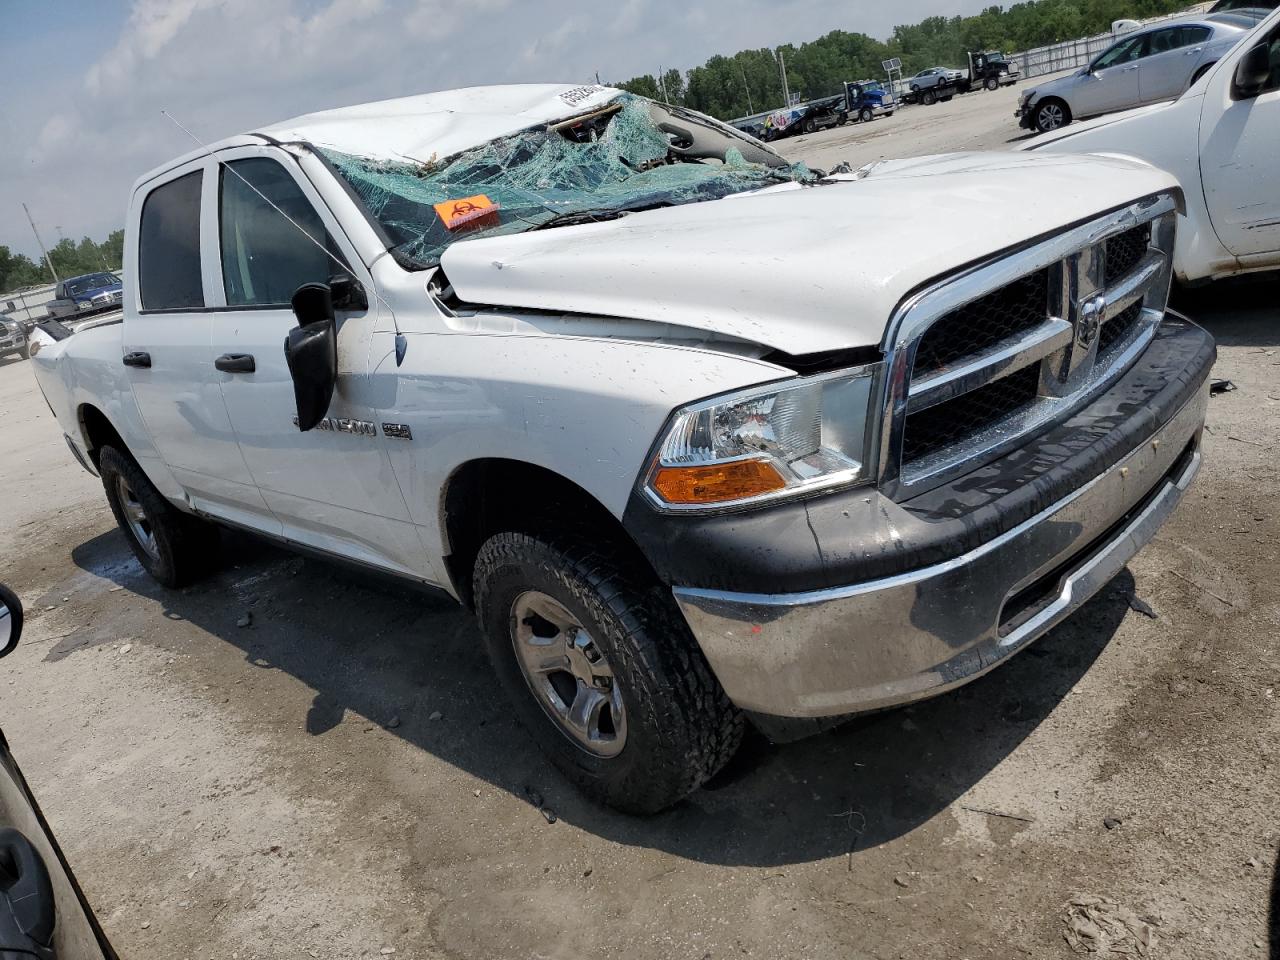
column 928, row 98
column 578, row 637
column 1198, row 74
column 172, row 546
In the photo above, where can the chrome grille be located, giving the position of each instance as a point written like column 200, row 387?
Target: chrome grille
column 951, row 421
column 979, row 325
column 1124, row 251
column 981, row 362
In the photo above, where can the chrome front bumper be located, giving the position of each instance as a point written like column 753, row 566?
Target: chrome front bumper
column 906, row 637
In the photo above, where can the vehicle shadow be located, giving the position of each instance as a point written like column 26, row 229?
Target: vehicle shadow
column 377, row 650
column 1241, row 311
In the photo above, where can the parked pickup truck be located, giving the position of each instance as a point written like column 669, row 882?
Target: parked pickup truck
column 86, row 294
column 698, row 442
column 1220, row 139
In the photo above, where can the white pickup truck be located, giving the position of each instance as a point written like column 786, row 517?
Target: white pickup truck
column 1221, row 139
column 680, row 421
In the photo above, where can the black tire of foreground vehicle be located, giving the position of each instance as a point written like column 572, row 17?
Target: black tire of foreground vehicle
column 680, row 728
column 182, row 548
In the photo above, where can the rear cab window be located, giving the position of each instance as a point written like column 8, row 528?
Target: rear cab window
column 169, row 246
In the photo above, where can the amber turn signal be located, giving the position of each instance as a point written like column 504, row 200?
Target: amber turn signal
column 717, row 483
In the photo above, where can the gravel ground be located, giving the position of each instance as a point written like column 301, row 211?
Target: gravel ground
column 341, row 778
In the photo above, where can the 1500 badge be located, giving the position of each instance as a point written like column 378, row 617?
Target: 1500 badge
column 363, row 428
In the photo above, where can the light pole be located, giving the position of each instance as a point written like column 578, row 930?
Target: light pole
column 786, row 91
column 41, row 243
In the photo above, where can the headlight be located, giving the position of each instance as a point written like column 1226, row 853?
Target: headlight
column 83, row 304
column 777, row 441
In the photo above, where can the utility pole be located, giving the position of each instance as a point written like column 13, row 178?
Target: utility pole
column 662, row 85
column 48, row 261
column 786, row 91
column 742, row 70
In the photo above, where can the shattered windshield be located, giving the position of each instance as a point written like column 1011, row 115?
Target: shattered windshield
column 613, row 160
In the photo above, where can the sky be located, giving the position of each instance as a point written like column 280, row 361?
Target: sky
column 84, row 81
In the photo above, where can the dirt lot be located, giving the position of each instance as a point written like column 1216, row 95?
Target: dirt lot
column 341, row 778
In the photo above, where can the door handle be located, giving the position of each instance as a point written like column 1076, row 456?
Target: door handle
column 137, row 359
column 235, row 363
column 26, row 890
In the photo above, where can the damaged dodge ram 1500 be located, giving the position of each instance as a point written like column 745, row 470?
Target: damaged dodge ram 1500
column 701, row 436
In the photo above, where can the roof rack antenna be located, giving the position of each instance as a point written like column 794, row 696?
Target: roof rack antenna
column 402, row 342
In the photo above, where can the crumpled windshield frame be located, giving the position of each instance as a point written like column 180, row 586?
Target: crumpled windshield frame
column 621, row 157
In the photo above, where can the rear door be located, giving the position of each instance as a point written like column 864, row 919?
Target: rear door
column 1173, row 56
column 1239, row 147
column 1112, row 82
column 332, row 488
column 166, row 347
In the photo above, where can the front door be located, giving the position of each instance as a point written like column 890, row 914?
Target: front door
column 1112, row 80
column 166, row 351
column 1239, row 147
column 332, row 488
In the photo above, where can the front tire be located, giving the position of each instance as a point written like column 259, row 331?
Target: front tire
column 992, row 83
column 173, row 547
column 1052, row 114
column 602, row 670
column 866, row 116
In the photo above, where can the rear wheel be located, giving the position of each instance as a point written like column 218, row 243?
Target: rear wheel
column 173, row 547
column 602, row 670
column 1198, row 74
column 1052, row 114
column 928, row 98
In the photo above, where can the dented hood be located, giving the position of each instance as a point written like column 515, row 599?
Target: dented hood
column 799, row 269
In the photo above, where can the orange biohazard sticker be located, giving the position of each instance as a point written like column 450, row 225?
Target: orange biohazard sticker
column 478, row 210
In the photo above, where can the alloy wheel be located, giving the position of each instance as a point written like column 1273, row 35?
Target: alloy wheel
column 568, row 674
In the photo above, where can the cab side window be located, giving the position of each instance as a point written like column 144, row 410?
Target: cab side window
column 272, row 238
column 169, row 246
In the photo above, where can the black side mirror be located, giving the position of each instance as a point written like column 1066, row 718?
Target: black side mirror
column 10, row 620
column 347, row 293
column 1252, row 72
column 311, row 351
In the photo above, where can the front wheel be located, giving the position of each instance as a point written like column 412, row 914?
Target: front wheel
column 173, row 547
column 866, row 116
column 992, row 83
column 602, row 670
column 1052, row 114
column 810, row 126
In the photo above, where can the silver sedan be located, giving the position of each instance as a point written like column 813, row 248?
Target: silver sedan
column 1145, row 66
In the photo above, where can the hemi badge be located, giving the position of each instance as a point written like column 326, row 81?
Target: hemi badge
column 397, row 431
